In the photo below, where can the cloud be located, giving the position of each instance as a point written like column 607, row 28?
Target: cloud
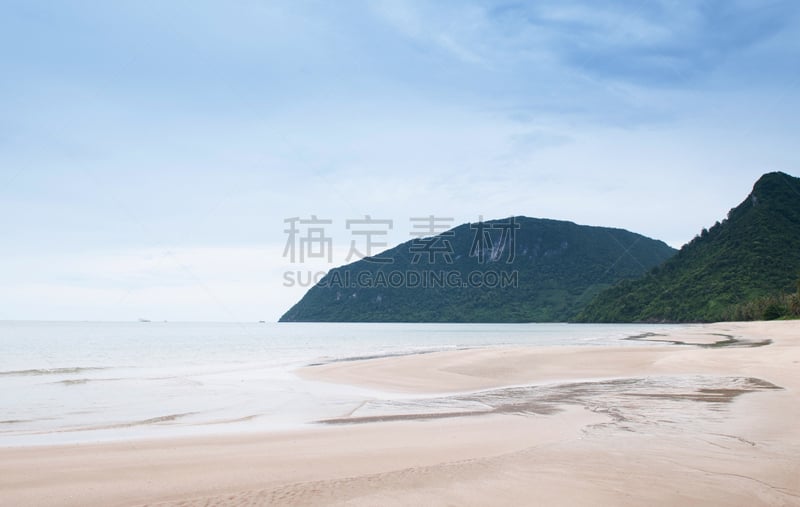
column 605, row 62
column 647, row 43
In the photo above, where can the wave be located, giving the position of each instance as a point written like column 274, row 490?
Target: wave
column 153, row 420
column 161, row 420
column 382, row 355
column 81, row 381
column 73, row 382
column 50, row 371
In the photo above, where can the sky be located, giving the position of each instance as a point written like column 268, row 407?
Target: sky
column 151, row 151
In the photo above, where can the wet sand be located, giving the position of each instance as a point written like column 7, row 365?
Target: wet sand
column 705, row 417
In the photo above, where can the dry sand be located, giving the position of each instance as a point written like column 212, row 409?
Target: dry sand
column 645, row 425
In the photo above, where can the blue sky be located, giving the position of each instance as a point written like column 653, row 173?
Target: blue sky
column 150, row 151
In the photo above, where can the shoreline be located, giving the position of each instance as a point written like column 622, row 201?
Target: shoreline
column 631, row 425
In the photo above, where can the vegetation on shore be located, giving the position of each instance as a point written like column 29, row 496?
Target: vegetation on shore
column 776, row 306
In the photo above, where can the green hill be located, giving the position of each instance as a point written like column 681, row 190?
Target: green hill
column 749, row 260
column 512, row 270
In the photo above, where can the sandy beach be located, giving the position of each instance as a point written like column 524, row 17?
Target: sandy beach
column 703, row 417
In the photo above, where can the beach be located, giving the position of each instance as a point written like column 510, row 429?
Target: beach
column 705, row 415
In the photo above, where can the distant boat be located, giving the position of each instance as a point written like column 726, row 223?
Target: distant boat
column 143, row 320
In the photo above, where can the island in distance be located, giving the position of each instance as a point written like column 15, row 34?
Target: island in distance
column 517, row 269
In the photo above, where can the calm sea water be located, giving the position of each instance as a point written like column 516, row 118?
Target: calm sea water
column 64, row 382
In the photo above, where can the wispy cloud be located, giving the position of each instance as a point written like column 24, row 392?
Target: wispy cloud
column 647, row 43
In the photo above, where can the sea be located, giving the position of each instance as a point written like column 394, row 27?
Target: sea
column 77, row 382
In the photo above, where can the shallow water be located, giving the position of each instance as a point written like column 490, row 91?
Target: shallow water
column 64, row 382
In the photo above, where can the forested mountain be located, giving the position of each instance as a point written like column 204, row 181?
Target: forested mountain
column 743, row 267
column 517, row 269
